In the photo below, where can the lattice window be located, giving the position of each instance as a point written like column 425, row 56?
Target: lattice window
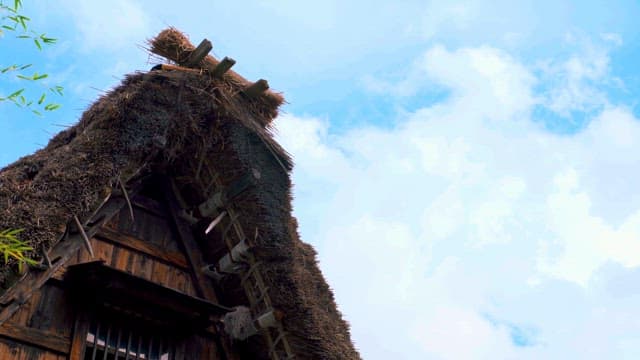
column 119, row 339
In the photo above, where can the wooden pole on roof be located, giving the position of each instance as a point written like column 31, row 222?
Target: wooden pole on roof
column 257, row 88
column 223, row 67
column 199, row 53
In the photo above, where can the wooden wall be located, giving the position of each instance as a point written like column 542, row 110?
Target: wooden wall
column 43, row 327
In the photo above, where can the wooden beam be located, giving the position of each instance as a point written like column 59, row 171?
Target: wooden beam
column 130, row 242
column 223, row 66
column 84, row 235
column 199, row 53
column 256, row 89
column 67, row 247
column 32, row 336
column 202, row 284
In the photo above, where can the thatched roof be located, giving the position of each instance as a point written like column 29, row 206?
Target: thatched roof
column 169, row 121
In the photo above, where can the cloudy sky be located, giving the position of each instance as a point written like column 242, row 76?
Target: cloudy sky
column 467, row 170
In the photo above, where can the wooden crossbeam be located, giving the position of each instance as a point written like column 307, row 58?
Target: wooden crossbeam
column 223, row 66
column 199, row 53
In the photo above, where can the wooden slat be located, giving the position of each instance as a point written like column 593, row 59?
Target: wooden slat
column 130, row 242
column 32, row 336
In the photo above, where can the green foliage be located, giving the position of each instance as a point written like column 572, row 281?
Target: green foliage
column 13, row 248
column 18, row 24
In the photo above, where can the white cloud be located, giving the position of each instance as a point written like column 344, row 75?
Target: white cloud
column 467, row 208
column 110, row 25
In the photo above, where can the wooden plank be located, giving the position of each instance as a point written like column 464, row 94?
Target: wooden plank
column 130, row 242
column 202, row 284
column 37, row 337
column 79, row 336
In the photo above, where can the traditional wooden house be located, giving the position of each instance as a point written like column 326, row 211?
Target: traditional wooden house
column 162, row 225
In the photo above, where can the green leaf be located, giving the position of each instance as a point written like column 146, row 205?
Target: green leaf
column 24, row 37
column 38, row 77
column 41, row 100
column 23, row 77
column 15, row 94
column 25, row 66
column 51, row 107
column 17, row 4
column 57, row 89
column 47, row 40
column 37, row 44
column 36, row 112
column 8, row 68
column 10, row 28
column 23, row 19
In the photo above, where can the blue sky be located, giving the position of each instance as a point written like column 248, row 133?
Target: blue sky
column 467, row 170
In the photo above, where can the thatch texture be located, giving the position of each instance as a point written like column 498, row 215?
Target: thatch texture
column 168, row 121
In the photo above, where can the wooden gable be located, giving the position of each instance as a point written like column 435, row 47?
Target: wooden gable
column 136, row 253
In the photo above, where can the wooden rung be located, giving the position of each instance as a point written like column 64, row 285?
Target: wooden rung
column 256, row 88
column 223, row 67
column 199, row 53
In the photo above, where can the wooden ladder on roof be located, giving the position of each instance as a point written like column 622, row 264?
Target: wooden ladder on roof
column 257, row 293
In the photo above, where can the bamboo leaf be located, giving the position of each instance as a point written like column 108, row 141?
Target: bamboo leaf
column 37, row 44
column 23, row 77
column 41, row 100
column 15, row 94
column 39, row 77
column 51, row 107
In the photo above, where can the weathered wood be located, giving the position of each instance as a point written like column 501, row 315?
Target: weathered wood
column 130, row 242
column 256, row 89
column 84, row 235
column 126, row 197
column 203, row 286
column 223, row 66
column 78, row 341
column 66, row 248
column 28, row 335
column 199, row 53
column 149, row 205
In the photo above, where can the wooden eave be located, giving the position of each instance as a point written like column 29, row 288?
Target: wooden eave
column 95, row 283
